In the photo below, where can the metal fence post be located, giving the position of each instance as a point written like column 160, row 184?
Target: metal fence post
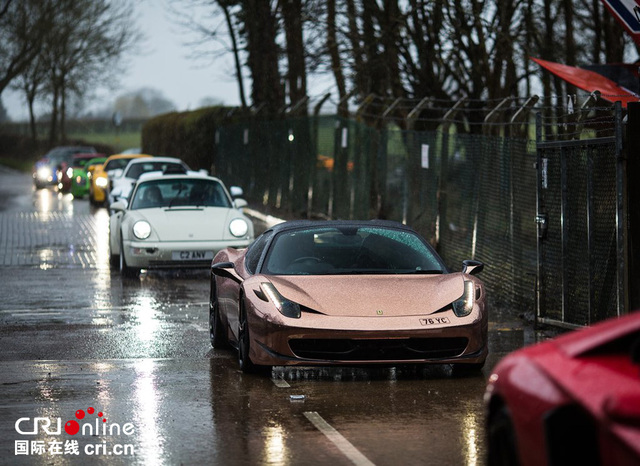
column 412, row 168
column 443, row 179
column 621, row 208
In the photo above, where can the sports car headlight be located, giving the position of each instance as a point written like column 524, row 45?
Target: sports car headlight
column 238, row 227
column 283, row 305
column 101, row 182
column 463, row 306
column 142, row 229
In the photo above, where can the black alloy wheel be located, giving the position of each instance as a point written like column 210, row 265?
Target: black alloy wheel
column 217, row 336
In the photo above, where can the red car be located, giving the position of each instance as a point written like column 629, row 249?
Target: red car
column 571, row 400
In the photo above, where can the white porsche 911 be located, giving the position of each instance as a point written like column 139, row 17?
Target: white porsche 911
column 176, row 221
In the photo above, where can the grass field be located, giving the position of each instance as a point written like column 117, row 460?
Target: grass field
column 19, row 151
column 119, row 141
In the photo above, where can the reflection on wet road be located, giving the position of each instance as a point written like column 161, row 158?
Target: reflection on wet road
column 75, row 335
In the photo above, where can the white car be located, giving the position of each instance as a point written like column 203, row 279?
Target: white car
column 124, row 182
column 176, row 221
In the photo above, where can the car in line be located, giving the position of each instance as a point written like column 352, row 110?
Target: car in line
column 319, row 293
column 122, row 185
column 81, row 180
column 69, row 172
column 100, row 179
column 176, row 221
column 45, row 170
column 574, row 399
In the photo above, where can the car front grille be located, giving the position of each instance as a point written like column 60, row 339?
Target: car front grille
column 378, row 349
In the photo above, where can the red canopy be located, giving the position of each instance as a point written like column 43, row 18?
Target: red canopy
column 590, row 81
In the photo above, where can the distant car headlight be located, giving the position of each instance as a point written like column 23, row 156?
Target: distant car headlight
column 463, row 306
column 69, row 172
column 44, row 173
column 238, row 227
column 283, row 305
column 142, row 229
column 102, row 182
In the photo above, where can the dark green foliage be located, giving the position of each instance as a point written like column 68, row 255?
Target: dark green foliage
column 189, row 136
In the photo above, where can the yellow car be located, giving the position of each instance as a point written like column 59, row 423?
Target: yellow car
column 112, row 167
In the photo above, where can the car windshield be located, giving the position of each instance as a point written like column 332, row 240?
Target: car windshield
column 176, row 193
column 350, row 250
column 135, row 170
column 115, row 164
column 80, row 163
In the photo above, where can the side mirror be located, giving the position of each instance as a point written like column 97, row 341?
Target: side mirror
column 117, row 173
column 236, row 191
column 225, row 270
column 240, row 203
column 118, row 206
column 472, row 267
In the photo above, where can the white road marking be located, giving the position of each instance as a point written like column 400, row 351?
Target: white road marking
column 338, row 440
column 280, row 382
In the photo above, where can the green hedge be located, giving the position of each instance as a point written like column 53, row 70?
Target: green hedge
column 190, row 136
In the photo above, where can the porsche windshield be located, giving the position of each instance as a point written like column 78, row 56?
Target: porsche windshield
column 180, row 193
column 350, row 251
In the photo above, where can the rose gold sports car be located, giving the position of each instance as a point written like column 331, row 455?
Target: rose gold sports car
column 346, row 293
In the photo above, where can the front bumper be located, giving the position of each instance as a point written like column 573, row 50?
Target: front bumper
column 155, row 255
column 353, row 341
column 99, row 194
column 80, row 189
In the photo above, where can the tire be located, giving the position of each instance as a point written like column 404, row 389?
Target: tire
column 467, row 369
column 125, row 270
column 244, row 342
column 217, row 335
column 114, row 261
column 503, row 450
column 244, row 346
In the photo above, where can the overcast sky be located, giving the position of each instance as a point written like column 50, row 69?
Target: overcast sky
column 162, row 64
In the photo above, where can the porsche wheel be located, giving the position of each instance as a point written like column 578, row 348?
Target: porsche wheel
column 216, row 333
column 125, row 270
column 502, row 442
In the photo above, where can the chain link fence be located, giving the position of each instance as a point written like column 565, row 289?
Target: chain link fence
column 473, row 196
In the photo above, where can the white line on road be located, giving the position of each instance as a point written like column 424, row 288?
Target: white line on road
column 338, row 440
column 280, row 382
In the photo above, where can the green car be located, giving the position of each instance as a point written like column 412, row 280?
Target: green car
column 80, row 173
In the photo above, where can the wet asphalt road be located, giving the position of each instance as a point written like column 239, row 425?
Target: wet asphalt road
column 75, row 335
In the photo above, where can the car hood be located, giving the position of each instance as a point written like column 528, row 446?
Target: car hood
column 188, row 224
column 370, row 295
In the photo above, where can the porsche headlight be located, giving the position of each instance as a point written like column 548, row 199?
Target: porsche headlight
column 101, row 182
column 141, row 229
column 463, row 306
column 283, row 305
column 238, row 227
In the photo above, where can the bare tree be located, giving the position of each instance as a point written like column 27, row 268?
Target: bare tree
column 83, row 50
column 214, row 26
column 31, row 82
column 23, row 26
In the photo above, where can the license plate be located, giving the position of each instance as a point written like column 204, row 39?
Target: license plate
column 192, row 255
